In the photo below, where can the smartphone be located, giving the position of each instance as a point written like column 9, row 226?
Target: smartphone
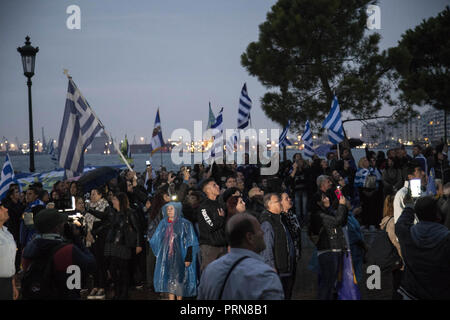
column 415, row 187
column 338, row 192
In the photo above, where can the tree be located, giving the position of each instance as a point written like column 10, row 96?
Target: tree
column 310, row 49
column 422, row 64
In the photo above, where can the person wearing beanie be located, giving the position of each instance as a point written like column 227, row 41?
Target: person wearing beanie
column 425, row 250
column 49, row 225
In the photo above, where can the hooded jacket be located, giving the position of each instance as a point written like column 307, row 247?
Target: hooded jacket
column 426, row 254
column 70, row 254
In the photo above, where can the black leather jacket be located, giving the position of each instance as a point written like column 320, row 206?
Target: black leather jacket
column 328, row 224
column 122, row 227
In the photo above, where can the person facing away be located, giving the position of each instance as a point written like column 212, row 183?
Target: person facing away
column 175, row 246
column 425, row 250
column 251, row 278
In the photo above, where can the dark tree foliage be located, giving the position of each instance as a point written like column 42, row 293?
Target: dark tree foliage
column 422, row 63
column 310, row 49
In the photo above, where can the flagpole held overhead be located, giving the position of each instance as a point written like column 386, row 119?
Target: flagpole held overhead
column 88, row 129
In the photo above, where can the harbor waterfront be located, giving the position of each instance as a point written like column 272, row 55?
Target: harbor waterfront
column 44, row 163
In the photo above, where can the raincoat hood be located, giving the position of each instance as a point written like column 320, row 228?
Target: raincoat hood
column 176, row 206
column 428, row 234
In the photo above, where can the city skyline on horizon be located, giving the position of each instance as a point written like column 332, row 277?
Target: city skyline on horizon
column 117, row 61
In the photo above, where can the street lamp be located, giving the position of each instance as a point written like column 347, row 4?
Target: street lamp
column 28, row 54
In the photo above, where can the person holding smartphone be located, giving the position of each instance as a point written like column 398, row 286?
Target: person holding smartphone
column 414, row 171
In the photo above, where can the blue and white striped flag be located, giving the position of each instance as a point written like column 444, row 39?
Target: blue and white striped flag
column 217, row 146
column 157, row 140
column 52, row 151
column 7, row 177
column 245, row 104
column 333, row 123
column 307, row 140
column 79, row 127
column 283, row 140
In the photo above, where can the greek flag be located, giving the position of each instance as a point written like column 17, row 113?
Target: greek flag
column 79, row 127
column 231, row 144
column 217, row 129
column 157, row 139
column 307, row 140
column 52, row 151
column 283, row 140
column 431, row 185
column 245, row 104
column 211, row 117
column 7, row 177
column 333, row 123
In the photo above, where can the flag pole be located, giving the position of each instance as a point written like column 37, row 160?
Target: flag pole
column 66, row 72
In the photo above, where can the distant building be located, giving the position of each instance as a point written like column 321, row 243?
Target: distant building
column 101, row 145
column 425, row 128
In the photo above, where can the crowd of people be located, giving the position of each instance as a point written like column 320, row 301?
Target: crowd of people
column 227, row 232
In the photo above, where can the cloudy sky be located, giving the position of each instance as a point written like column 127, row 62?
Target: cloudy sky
column 131, row 57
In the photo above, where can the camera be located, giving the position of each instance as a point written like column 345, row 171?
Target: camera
column 65, row 204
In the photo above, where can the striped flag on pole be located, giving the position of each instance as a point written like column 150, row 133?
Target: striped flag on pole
column 7, row 177
column 283, row 140
column 217, row 146
column 157, row 139
column 79, row 127
column 245, row 104
column 333, row 123
column 307, row 140
column 211, row 117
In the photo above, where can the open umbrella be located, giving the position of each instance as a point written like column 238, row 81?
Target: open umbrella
column 97, row 178
column 353, row 142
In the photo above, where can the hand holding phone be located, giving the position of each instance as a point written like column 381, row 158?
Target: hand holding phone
column 338, row 192
column 415, row 187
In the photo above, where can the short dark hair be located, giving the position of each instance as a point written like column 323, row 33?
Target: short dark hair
column 237, row 227
column 206, row 182
column 411, row 167
column 426, row 209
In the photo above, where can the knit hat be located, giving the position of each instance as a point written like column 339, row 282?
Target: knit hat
column 46, row 220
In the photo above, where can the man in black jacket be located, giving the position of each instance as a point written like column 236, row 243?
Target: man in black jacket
column 425, row 250
column 280, row 250
column 211, row 223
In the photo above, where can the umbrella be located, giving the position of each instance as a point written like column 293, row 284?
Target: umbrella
column 353, row 142
column 97, row 178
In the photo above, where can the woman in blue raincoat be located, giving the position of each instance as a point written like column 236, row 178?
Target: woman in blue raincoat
column 175, row 246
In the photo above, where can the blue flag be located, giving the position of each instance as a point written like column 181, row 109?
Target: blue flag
column 333, row 123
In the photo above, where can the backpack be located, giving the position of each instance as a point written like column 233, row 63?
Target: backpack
column 38, row 281
column 383, row 253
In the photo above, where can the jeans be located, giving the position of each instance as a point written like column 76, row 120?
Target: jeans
column 328, row 274
column 301, row 206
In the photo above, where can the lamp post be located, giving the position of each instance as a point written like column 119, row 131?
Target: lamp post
column 28, row 54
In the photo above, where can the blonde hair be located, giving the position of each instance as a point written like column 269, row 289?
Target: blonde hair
column 361, row 161
column 388, row 208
